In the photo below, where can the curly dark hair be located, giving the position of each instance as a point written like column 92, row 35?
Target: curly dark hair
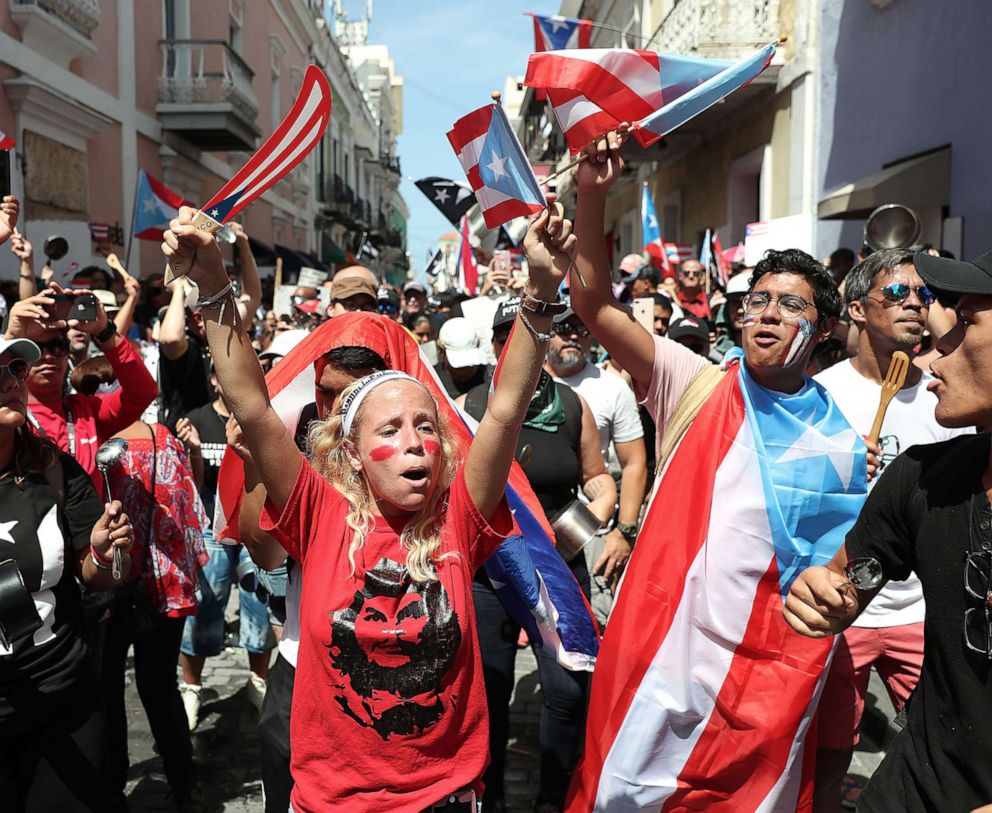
column 826, row 297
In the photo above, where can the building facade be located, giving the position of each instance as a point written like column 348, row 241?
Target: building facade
column 94, row 90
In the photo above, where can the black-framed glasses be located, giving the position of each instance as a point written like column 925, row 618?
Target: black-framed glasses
column 54, row 347
column 790, row 306
column 570, row 328
column 978, row 585
column 899, row 292
column 17, row 369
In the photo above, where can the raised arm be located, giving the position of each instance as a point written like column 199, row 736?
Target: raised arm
column 27, row 286
column 251, row 285
column 124, row 318
column 610, row 322
column 172, row 329
column 548, row 245
column 277, row 458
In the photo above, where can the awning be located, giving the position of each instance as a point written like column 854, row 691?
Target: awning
column 292, row 261
column 916, row 182
column 330, row 251
column 264, row 254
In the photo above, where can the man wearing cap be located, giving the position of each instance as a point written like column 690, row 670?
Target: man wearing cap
column 621, row 439
column 414, row 302
column 730, row 318
column 691, row 293
column 352, row 293
column 929, row 514
column 462, row 360
column 388, row 303
column 692, row 333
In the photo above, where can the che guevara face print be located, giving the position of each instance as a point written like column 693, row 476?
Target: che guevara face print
column 392, row 649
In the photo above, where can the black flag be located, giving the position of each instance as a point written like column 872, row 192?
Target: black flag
column 451, row 198
column 434, row 264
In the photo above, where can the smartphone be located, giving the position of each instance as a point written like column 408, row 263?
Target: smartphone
column 60, row 310
column 644, row 312
column 84, row 308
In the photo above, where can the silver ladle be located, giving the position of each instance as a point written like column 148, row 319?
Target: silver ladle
column 110, row 454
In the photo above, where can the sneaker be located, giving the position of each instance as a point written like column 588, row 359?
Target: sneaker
column 256, row 690
column 190, row 694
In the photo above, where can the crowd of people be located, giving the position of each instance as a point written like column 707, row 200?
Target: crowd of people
column 363, row 525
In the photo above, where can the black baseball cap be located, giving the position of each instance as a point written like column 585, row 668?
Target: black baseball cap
column 689, row 326
column 949, row 279
column 506, row 312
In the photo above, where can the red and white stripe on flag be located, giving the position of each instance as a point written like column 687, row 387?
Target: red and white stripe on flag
column 702, row 695
column 583, row 84
column 6, row 142
column 678, row 253
column 100, row 232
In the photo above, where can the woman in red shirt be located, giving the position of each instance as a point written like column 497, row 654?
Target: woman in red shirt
column 389, row 709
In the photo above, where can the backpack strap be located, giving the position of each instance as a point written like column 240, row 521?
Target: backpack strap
column 695, row 396
column 573, row 415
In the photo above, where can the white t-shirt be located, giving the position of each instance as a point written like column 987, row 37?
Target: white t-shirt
column 289, row 641
column 909, row 421
column 612, row 404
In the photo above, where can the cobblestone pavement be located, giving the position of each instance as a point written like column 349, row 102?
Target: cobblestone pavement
column 226, row 742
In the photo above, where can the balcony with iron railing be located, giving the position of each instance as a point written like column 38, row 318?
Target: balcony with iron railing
column 61, row 30
column 206, row 95
column 719, row 29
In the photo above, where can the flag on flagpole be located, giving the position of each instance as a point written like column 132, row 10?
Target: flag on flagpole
column 468, row 270
column 434, row 264
column 554, row 32
column 530, row 577
column 703, row 695
column 496, row 166
column 651, row 230
column 593, row 90
column 678, row 253
column 452, row 199
column 155, row 205
column 6, row 142
column 719, row 263
column 706, row 252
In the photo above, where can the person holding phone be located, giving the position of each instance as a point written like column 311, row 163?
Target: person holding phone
column 75, row 423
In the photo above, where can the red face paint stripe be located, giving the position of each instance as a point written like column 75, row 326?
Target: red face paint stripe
column 432, row 447
column 380, row 453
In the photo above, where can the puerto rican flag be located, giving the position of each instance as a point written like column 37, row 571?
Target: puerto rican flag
column 556, row 33
column 496, row 166
column 593, row 90
column 651, row 230
column 703, row 696
column 6, row 142
column 531, row 579
column 154, row 206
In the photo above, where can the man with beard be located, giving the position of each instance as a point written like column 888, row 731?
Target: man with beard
column 929, row 514
column 889, row 303
column 619, row 424
column 394, row 687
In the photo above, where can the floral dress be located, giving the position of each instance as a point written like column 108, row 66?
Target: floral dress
column 169, row 559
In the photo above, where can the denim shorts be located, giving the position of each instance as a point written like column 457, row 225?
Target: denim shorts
column 204, row 632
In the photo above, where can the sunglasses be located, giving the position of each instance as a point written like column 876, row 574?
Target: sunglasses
column 387, row 308
column 899, row 292
column 54, row 347
column 572, row 329
column 690, row 274
column 17, row 369
column 978, row 620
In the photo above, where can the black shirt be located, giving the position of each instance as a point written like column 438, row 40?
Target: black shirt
column 211, row 426
column 45, row 543
column 926, row 513
column 184, row 383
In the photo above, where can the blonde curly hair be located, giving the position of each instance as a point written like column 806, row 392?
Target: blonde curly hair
column 421, row 537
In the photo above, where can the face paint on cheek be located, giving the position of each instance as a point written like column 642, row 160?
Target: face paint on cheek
column 432, row 447
column 750, row 320
column 799, row 343
column 380, row 453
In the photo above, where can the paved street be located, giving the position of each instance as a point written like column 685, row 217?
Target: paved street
column 226, row 743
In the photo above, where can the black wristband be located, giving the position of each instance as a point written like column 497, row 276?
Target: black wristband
column 107, row 333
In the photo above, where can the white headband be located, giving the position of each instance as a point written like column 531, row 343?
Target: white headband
column 354, row 400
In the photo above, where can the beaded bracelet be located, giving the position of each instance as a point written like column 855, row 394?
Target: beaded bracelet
column 222, row 297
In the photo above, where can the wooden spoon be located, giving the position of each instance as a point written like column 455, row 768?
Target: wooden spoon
column 894, row 379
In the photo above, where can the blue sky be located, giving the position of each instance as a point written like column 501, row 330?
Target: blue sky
column 451, row 54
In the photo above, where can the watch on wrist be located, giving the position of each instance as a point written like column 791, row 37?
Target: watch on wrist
column 542, row 306
column 628, row 530
column 107, row 333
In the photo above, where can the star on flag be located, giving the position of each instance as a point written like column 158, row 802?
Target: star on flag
column 838, row 448
column 497, row 167
column 5, row 529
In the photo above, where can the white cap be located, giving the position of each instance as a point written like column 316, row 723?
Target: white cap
column 461, row 343
column 738, row 284
column 21, row 348
column 108, row 300
column 283, row 343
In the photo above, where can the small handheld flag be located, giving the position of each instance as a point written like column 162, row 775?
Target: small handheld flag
column 496, row 166
column 651, row 229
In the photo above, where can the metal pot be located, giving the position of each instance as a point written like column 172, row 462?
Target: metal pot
column 574, row 528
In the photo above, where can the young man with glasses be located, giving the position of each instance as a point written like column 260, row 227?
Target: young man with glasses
column 889, row 303
column 701, row 693
column 691, row 292
column 930, row 514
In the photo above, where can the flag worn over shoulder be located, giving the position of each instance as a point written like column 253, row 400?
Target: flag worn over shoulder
column 496, row 166
column 6, row 142
column 530, row 577
column 593, row 90
column 452, row 199
column 155, row 205
column 654, row 245
column 703, row 695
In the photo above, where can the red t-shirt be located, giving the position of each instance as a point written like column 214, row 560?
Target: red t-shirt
column 698, row 304
column 389, row 707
